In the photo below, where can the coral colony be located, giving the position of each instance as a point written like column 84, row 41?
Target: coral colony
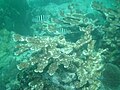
column 49, row 60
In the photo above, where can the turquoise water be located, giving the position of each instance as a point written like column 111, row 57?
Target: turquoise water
column 59, row 45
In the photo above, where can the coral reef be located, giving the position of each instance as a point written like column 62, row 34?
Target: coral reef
column 111, row 38
column 69, row 46
column 5, row 46
column 51, row 62
column 8, row 64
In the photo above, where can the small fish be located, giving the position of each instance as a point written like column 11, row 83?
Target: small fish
column 63, row 31
column 40, row 18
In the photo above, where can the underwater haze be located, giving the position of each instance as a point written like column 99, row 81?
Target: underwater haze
column 59, row 44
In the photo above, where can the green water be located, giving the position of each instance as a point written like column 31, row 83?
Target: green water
column 59, row 44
